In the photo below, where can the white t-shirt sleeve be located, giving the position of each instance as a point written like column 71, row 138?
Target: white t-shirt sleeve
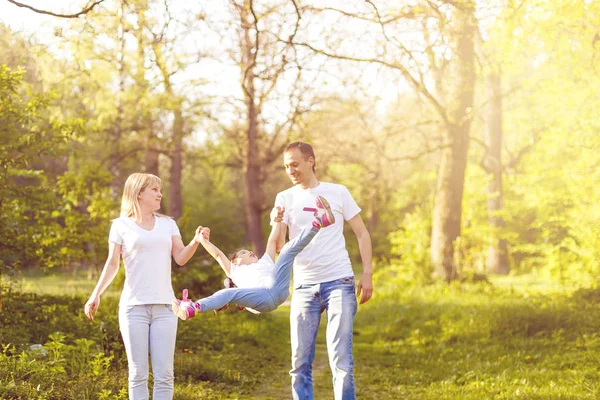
column 233, row 269
column 280, row 202
column 267, row 258
column 115, row 235
column 174, row 228
column 349, row 206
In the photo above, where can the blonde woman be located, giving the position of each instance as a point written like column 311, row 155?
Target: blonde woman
column 146, row 240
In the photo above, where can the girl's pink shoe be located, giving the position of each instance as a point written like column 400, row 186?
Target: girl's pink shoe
column 185, row 308
column 323, row 214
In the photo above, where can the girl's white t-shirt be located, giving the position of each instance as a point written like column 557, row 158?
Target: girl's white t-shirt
column 257, row 275
column 147, row 259
column 325, row 258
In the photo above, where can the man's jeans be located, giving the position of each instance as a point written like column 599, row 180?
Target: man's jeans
column 150, row 327
column 268, row 298
column 338, row 299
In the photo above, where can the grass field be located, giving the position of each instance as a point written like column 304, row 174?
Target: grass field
column 518, row 337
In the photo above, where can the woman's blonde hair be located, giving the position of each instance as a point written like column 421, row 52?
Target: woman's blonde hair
column 135, row 184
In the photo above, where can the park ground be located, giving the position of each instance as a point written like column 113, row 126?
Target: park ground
column 511, row 338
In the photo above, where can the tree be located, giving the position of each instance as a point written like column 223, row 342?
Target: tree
column 456, row 27
column 30, row 229
column 270, row 75
column 89, row 7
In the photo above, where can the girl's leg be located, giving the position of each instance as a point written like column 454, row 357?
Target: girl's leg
column 258, row 299
column 283, row 266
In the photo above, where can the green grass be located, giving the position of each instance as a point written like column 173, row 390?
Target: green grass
column 518, row 337
column 57, row 283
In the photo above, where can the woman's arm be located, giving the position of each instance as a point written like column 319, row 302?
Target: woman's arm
column 181, row 253
column 111, row 267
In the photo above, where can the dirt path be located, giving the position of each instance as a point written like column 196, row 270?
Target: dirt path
column 277, row 386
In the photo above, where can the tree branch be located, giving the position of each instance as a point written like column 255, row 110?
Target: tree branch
column 86, row 10
column 419, row 86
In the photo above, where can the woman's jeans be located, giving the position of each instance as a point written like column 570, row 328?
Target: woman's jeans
column 264, row 299
column 153, row 328
column 338, row 299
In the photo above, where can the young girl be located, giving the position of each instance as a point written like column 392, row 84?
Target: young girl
column 262, row 284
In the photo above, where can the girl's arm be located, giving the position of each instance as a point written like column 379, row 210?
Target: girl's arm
column 274, row 237
column 214, row 251
column 111, row 267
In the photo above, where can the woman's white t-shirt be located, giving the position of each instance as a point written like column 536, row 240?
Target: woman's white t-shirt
column 258, row 275
column 147, row 259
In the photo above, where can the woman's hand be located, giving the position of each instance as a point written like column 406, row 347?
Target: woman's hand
column 91, row 307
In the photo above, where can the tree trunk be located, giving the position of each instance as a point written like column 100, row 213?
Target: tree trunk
column 151, row 160
column 146, row 124
column 175, row 204
column 254, row 199
column 447, row 210
column 115, row 158
column 497, row 260
column 175, row 199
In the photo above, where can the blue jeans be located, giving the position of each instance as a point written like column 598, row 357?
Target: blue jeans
column 308, row 302
column 264, row 299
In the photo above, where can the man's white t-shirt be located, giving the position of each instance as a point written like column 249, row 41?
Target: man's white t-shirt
column 325, row 258
column 147, row 259
column 257, row 275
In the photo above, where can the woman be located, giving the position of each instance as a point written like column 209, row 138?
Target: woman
column 146, row 240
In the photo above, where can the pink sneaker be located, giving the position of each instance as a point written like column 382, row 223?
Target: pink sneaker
column 185, row 308
column 323, row 214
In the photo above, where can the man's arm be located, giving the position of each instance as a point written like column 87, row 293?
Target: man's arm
column 214, row 251
column 274, row 237
column 365, row 286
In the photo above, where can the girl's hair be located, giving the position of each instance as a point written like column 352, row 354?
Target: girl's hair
column 233, row 255
column 135, row 184
column 306, row 150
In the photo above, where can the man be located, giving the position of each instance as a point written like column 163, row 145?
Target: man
column 323, row 276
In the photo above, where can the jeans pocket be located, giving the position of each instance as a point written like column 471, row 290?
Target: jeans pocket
column 349, row 280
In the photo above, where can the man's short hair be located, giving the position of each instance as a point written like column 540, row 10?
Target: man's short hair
column 306, row 150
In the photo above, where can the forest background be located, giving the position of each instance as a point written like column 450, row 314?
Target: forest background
column 468, row 132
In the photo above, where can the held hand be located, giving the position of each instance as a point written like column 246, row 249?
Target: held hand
column 91, row 307
column 202, row 234
column 277, row 214
column 365, row 288
column 205, row 234
column 198, row 235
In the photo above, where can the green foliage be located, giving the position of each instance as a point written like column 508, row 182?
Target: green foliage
column 409, row 253
column 31, row 138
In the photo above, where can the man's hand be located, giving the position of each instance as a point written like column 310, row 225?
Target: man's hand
column 277, row 214
column 365, row 288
